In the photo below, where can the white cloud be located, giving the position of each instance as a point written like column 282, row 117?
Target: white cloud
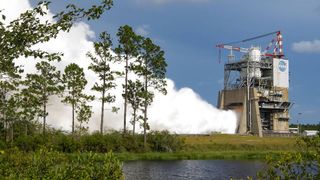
column 143, row 30
column 161, row 2
column 181, row 111
column 307, row 46
column 12, row 9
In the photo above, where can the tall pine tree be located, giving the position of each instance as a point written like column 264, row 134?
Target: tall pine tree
column 74, row 82
column 151, row 66
column 45, row 83
column 100, row 65
column 127, row 49
column 135, row 98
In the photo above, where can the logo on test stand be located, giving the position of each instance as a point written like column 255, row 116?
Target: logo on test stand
column 282, row 66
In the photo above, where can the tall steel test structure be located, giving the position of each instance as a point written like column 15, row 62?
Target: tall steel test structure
column 256, row 87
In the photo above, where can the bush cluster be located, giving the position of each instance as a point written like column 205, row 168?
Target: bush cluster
column 48, row 164
column 163, row 141
column 158, row 141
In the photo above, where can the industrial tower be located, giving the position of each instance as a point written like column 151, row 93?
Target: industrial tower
column 256, row 87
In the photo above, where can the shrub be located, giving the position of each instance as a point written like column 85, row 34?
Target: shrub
column 160, row 141
column 47, row 164
column 2, row 145
column 65, row 143
column 95, row 142
column 163, row 141
column 26, row 143
column 304, row 164
column 114, row 141
column 91, row 166
column 133, row 143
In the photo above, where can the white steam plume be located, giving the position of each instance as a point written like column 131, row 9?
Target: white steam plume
column 181, row 111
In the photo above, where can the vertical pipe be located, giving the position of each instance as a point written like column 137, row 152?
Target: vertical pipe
column 248, row 99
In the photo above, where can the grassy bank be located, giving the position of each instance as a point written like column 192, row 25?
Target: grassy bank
column 222, row 142
column 161, row 145
column 210, row 155
column 220, row 147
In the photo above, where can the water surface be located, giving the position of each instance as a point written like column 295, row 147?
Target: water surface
column 191, row 169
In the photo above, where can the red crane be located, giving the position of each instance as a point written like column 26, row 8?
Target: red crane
column 276, row 44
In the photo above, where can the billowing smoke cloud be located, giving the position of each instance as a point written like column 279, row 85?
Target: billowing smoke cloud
column 181, row 111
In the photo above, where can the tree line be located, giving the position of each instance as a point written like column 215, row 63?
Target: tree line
column 24, row 100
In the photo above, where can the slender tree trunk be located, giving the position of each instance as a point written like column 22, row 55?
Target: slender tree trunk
column 73, row 118
column 3, row 116
column 125, row 96
column 134, row 121
column 80, row 132
column 145, row 118
column 103, row 101
column 11, row 133
column 73, row 107
column 4, row 132
column 102, row 112
column 26, row 129
column 44, row 118
column 7, row 132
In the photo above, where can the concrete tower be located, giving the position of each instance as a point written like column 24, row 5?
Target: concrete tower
column 256, row 87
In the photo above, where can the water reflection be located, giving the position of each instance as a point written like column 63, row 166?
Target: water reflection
column 191, row 169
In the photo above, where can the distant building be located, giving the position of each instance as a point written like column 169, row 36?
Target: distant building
column 310, row 132
column 294, row 130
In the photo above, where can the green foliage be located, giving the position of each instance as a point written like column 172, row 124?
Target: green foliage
column 74, row 81
column 21, row 34
column 135, row 92
column 27, row 143
column 113, row 141
column 64, row 143
column 152, row 66
column 18, row 38
column 45, row 83
column 101, row 66
column 149, row 65
column 160, row 141
column 9, row 115
column 127, row 49
column 29, row 107
column 2, row 145
column 47, row 164
column 303, row 164
column 96, row 143
column 128, row 43
column 84, row 113
column 163, row 141
column 306, row 126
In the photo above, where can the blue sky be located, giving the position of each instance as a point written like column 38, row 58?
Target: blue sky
column 188, row 31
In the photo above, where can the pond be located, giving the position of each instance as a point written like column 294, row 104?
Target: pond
column 191, row 169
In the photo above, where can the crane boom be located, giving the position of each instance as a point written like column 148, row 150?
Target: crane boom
column 240, row 49
column 276, row 43
column 254, row 38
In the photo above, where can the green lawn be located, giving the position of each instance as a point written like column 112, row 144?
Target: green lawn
column 221, row 147
column 222, row 142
